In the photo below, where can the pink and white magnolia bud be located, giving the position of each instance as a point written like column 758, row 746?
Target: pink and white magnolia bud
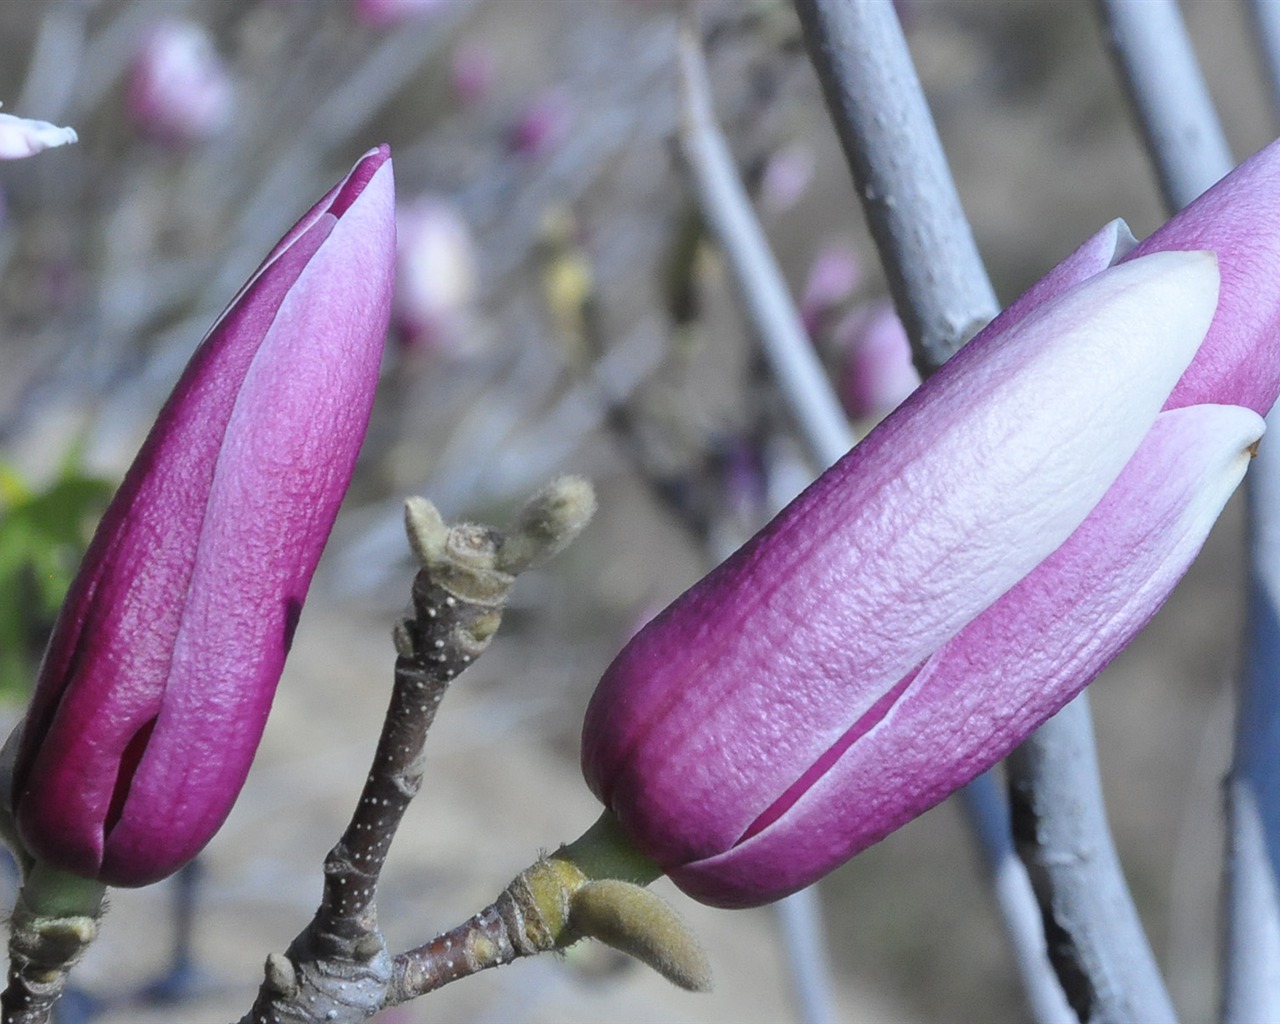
column 179, row 90
column 155, row 688
column 22, row 137
column 962, row 573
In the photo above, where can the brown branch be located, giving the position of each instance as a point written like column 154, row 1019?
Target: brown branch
column 491, row 938
column 338, row 968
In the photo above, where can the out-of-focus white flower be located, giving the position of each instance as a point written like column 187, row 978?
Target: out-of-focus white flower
column 435, row 275
column 179, row 88
column 21, row 136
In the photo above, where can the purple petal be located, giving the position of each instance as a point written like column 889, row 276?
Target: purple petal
column 1239, row 219
column 177, row 626
column 719, row 705
column 1019, row 662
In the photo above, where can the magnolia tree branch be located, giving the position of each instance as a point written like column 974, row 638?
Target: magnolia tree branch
column 910, row 201
column 338, row 968
column 1265, row 16
column 1108, row 972
column 1095, row 937
column 52, row 924
column 728, row 213
column 1251, row 929
column 1190, row 153
column 1148, row 41
column 1187, row 146
column 1251, row 977
column 935, row 273
column 592, row 888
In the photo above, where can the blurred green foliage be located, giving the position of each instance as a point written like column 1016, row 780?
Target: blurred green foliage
column 43, row 536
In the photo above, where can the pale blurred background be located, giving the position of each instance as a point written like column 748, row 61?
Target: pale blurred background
column 568, row 315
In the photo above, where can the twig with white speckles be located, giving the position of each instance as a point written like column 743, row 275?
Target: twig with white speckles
column 338, row 969
column 447, row 632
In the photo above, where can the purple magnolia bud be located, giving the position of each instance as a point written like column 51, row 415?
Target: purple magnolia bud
column 22, row 137
column 961, row 574
column 179, row 90
column 157, row 681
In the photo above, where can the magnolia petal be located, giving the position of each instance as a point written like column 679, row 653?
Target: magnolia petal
column 1239, row 219
column 107, row 666
column 270, row 508
column 1103, row 250
column 1013, row 667
column 716, row 707
column 22, row 137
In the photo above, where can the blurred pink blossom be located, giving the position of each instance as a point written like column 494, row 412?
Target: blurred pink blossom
column 833, row 276
column 786, row 177
column 473, row 72
column 179, row 89
column 877, row 372
column 385, row 13
column 542, row 125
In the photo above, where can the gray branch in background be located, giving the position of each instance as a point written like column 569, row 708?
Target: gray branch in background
column 901, row 173
column 939, row 286
column 1265, row 17
column 1190, row 153
column 1251, row 965
column 1096, row 940
column 1251, row 926
column 1175, row 113
column 727, row 209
